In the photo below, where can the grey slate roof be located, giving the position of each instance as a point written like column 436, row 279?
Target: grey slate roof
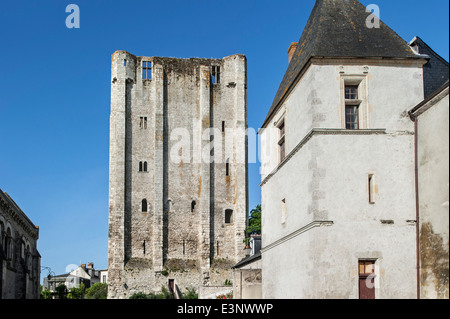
column 337, row 29
column 435, row 72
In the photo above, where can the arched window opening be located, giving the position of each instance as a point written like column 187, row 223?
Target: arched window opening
column 144, row 205
column 2, row 235
column 8, row 244
column 193, row 203
column 140, row 166
column 145, row 166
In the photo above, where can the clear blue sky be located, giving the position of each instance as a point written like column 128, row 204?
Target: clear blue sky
column 55, row 92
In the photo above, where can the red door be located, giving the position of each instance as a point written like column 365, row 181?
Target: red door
column 366, row 279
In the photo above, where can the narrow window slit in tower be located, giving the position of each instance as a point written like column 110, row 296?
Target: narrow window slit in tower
column 143, row 246
column 144, row 205
column 227, row 167
column 371, row 189
column 184, row 248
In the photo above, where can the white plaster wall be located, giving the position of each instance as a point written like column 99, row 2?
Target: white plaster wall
column 315, row 102
column 327, row 179
column 433, row 152
column 433, row 189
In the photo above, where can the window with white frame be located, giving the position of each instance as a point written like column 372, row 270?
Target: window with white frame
column 354, row 102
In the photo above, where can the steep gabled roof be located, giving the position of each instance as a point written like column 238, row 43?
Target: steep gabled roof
column 337, row 29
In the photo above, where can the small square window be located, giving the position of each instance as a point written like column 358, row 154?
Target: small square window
column 366, row 267
column 143, row 122
column 351, row 92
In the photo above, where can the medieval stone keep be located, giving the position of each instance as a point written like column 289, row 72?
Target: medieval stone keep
column 178, row 172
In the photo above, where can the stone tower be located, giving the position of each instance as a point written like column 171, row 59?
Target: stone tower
column 178, row 172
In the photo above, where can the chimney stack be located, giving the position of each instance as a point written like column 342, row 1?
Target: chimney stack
column 83, row 266
column 291, row 50
column 90, row 265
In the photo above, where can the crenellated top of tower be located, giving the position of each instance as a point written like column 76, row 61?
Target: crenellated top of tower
column 125, row 65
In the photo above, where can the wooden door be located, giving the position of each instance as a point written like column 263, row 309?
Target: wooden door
column 367, row 279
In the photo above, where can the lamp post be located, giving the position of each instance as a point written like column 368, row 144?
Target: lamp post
column 50, row 275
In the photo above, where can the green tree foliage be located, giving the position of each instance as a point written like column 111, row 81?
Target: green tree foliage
column 61, row 291
column 45, row 293
column 97, row 291
column 254, row 222
column 164, row 294
column 77, row 293
column 189, row 294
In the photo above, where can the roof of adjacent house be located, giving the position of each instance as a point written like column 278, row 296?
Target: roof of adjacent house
column 435, row 72
column 423, row 106
column 337, row 29
column 248, row 260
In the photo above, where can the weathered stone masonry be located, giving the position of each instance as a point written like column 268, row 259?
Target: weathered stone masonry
column 177, row 210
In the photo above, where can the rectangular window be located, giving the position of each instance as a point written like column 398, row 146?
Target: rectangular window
column 352, row 104
column 223, row 126
column 146, row 70
column 228, row 216
column 351, row 117
column 143, row 122
column 281, row 142
column 215, row 74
